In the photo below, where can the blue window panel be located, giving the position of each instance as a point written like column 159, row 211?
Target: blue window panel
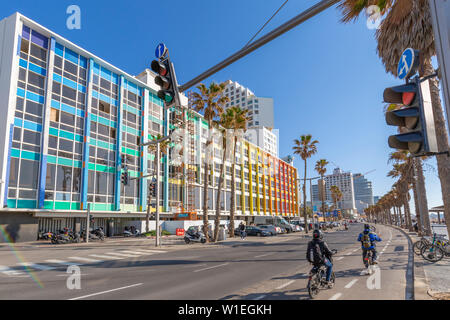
column 37, row 69
column 81, row 88
column 32, row 126
column 105, row 74
column 55, row 104
column 115, row 78
column 23, row 63
column 80, row 113
column 59, row 50
column 17, row 122
column 115, row 102
column 21, row 92
column 57, row 77
column 83, row 62
column 132, row 87
column 105, row 98
column 26, row 32
column 35, row 97
column 95, row 94
column 104, row 121
column 68, row 109
column 71, row 56
column 96, row 68
column 69, row 83
column 39, row 39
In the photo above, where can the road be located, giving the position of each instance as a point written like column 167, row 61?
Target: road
column 251, row 269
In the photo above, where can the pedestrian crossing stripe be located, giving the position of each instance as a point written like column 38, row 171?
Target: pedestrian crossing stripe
column 104, row 257
column 36, row 266
column 85, row 259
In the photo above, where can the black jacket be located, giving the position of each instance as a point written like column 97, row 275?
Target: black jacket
column 323, row 248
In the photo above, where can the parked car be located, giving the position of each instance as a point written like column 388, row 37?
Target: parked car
column 270, row 228
column 256, row 231
column 295, row 227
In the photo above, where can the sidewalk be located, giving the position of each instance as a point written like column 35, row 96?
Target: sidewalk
column 431, row 280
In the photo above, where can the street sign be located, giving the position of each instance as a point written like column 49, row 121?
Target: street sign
column 408, row 63
column 440, row 17
column 161, row 50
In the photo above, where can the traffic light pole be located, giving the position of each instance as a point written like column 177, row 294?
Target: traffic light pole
column 158, row 167
column 88, row 222
column 302, row 17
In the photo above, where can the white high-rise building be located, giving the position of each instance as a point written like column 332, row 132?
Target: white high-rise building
column 260, row 111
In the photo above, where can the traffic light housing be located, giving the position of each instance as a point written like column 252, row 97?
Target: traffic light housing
column 165, row 79
column 413, row 114
column 124, row 177
column 153, row 189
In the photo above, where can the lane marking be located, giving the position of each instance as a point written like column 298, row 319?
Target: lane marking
column 219, row 265
column 85, row 259
column 263, row 255
column 105, row 257
column 35, row 266
column 336, row 296
column 98, row 293
column 9, row 271
column 285, row 285
column 149, row 251
column 138, row 253
column 123, row 254
column 260, row 297
column 65, row 263
column 340, row 258
column 350, row 284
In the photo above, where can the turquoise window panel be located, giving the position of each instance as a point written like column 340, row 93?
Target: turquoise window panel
column 37, row 69
column 71, row 56
column 32, row 126
column 59, row 50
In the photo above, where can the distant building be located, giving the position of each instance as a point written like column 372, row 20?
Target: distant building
column 375, row 199
column 363, row 189
column 360, row 206
column 263, row 138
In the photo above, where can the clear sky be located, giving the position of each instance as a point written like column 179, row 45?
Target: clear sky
column 325, row 77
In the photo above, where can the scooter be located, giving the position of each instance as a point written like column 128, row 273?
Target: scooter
column 194, row 237
column 128, row 232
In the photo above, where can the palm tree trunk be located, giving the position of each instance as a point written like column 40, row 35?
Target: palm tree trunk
column 407, row 213
column 219, row 190
column 416, row 204
column 423, row 203
column 443, row 162
column 304, row 202
column 205, row 200
column 233, row 191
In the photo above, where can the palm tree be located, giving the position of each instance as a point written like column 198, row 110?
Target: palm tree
column 408, row 25
column 321, row 170
column 163, row 147
column 336, row 195
column 305, row 147
column 211, row 101
column 237, row 121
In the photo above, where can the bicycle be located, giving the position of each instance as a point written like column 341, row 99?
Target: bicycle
column 436, row 250
column 418, row 245
column 318, row 279
column 368, row 261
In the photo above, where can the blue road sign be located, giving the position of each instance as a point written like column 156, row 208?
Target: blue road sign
column 160, row 50
column 314, row 208
column 408, row 61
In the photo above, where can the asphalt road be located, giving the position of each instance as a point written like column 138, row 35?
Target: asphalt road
column 255, row 268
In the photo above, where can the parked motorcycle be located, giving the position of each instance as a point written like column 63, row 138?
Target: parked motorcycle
column 96, row 234
column 65, row 236
column 194, row 237
column 131, row 232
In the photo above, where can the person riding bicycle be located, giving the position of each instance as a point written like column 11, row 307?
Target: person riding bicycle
column 242, row 230
column 319, row 254
column 368, row 239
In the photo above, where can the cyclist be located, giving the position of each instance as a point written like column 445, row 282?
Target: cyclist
column 242, row 230
column 368, row 239
column 318, row 253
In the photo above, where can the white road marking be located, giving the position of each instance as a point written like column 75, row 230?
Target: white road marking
column 150, row 251
column 36, row 266
column 65, row 263
column 350, row 284
column 339, row 258
column 219, row 265
column 285, row 285
column 138, row 253
column 263, row 255
column 105, row 257
column 348, row 253
column 364, row 272
column 123, row 254
column 9, row 271
column 85, row 259
column 336, row 296
column 98, row 293
column 260, row 297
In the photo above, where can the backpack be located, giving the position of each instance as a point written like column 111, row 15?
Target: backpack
column 366, row 241
column 315, row 253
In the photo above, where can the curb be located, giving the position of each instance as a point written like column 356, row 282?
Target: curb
column 420, row 284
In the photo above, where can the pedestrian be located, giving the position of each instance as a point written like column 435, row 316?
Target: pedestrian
column 242, row 230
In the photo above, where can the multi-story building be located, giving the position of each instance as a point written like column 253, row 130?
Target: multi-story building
column 344, row 181
column 72, row 120
column 375, row 199
column 263, row 138
column 363, row 189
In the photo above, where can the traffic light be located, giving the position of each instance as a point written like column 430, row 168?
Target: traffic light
column 412, row 112
column 124, row 177
column 153, row 189
column 166, row 80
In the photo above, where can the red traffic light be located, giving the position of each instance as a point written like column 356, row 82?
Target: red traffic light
column 159, row 68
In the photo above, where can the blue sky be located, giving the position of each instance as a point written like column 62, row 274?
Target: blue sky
column 325, row 77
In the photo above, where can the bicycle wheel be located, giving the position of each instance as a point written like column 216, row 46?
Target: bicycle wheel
column 332, row 281
column 313, row 287
column 432, row 253
column 417, row 247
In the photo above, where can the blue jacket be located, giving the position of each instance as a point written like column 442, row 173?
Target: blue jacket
column 373, row 237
